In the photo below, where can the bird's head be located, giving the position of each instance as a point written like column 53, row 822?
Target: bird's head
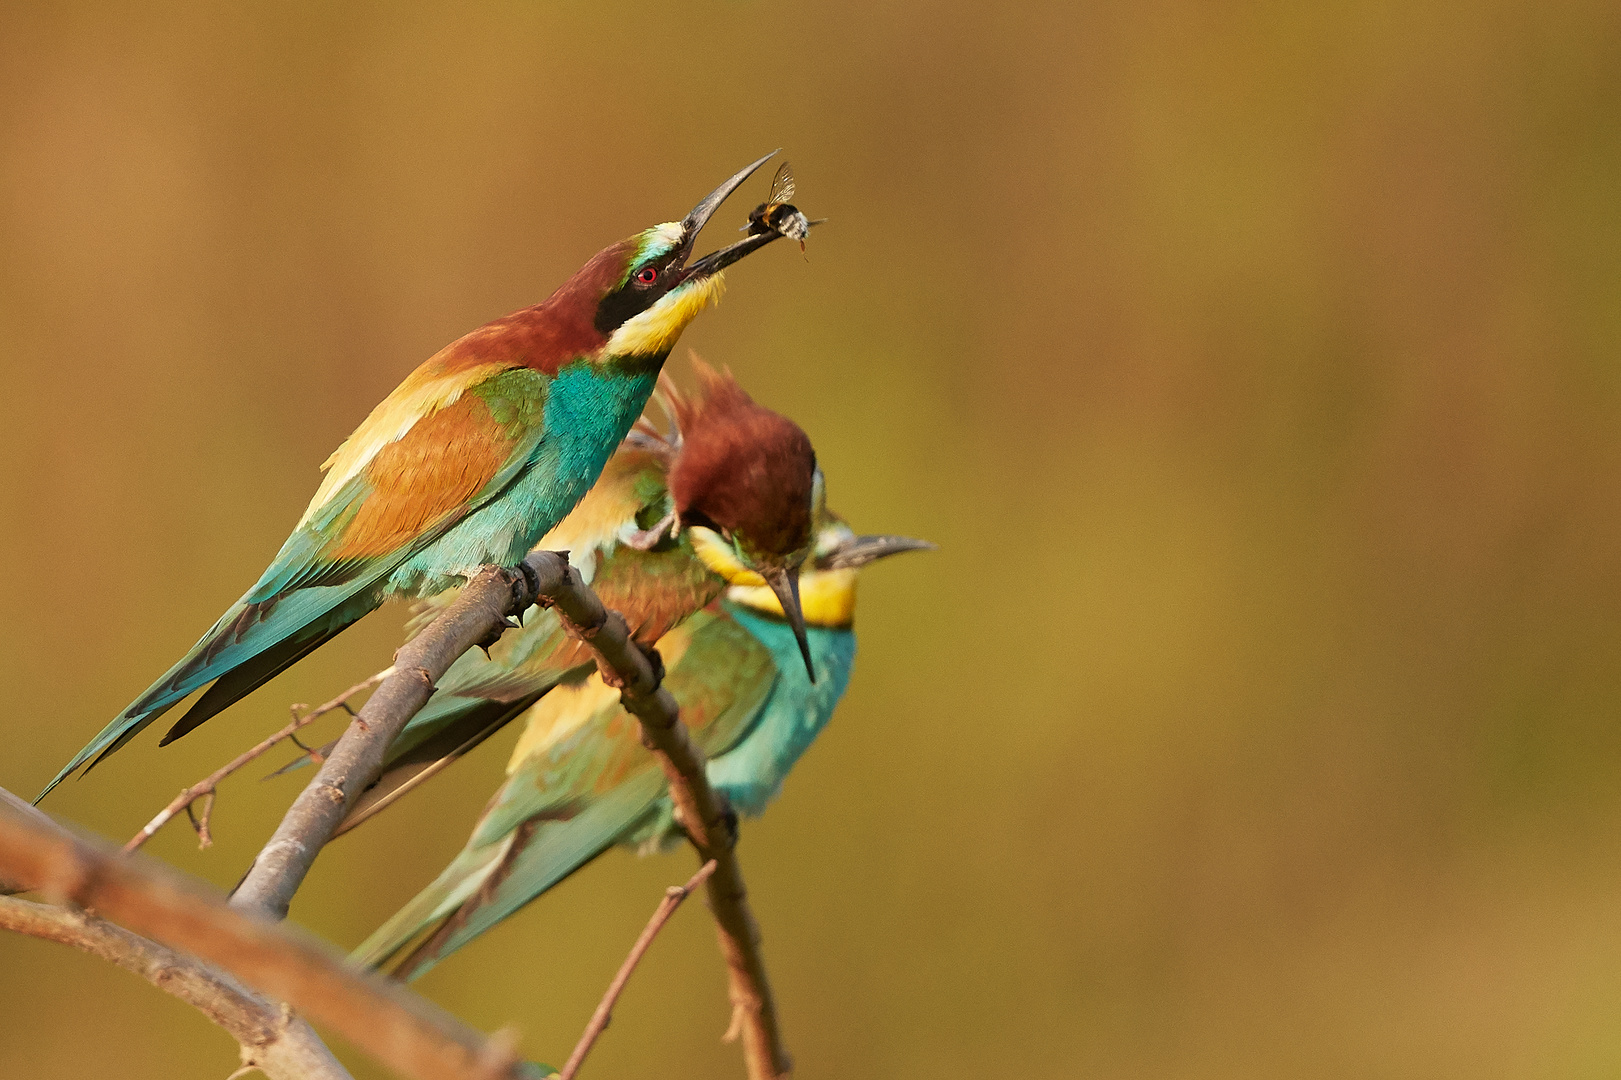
column 827, row 587
column 633, row 298
column 744, row 486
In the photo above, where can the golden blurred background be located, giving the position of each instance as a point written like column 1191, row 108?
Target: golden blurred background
column 1255, row 367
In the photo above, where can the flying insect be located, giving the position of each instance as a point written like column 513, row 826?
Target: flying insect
column 778, row 214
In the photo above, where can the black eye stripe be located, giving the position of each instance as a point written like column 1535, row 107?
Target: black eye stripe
column 633, row 297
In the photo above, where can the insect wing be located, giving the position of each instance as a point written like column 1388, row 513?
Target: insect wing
column 782, row 186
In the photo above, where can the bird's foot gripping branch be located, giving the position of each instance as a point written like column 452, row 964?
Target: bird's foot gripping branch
column 478, row 616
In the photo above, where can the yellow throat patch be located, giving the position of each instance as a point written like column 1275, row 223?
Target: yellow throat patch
column 826, row 597
column 655, row 330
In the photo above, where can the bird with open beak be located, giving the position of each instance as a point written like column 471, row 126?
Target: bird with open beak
column 475, row 456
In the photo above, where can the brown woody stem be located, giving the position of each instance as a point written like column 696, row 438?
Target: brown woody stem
column 661, row 915
column 701, row 811
column 355, row 761
column 399, row 1029
column 477, row 615
column 272, row 1040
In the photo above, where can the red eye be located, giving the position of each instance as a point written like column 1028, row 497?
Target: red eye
column 647, row 275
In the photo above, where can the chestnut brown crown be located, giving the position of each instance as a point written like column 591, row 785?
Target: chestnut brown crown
column 742, row 470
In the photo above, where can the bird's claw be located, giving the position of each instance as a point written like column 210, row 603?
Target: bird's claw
column 648, row 539
column 728, row 819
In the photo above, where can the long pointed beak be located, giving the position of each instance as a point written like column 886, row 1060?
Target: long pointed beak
column 700, row 215
column 706, row 208
column 785, row 583
column 726, row 256
column 860, row 550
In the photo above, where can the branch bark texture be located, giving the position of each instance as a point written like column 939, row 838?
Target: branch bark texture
column 272, row 1039
column 707, row 820
column 399, row 1029
column 478, row 616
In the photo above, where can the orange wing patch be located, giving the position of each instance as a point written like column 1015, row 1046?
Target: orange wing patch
column 440, row 464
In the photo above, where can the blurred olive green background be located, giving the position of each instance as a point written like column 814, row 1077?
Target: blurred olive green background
column 1255, row 367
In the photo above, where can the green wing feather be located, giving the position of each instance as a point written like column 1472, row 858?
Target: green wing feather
column 572, row 797
column 310, row 591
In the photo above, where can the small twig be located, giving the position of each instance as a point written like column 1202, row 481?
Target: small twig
column 398, row 1028
column 207, row 785
column 199, row 822
column 599, row 1019
column 315, row 756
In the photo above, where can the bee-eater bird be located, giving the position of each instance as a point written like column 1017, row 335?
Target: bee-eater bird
column 580, row 782
column 728, row 497
column 478, row 453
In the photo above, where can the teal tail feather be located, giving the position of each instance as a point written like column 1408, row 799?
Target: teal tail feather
column 261, row 638
column 241, row 681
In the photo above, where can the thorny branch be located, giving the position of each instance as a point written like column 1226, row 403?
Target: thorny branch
column 604, row 1012
column 478, row 614
column 399, row 1029
column 205, row 788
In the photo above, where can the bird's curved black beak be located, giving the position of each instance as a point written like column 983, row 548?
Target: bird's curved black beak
column 785, row 583
column 858, row 551
column 700, row 215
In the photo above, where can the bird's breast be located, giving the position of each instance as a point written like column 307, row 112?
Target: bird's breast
column 589, row 410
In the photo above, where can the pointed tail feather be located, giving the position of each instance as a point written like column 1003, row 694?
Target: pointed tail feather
column 241, row 681
column 453, row 886
column 539, row 855
column 242, row 634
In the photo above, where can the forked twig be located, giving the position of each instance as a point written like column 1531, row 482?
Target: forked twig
column 599, row 1019
column 205, row 788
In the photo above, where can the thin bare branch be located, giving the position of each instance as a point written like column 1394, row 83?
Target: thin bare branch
column 398, row 1028
column 272, row 1040
column 661, row 915
column 704, row 815
column 207, row 786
